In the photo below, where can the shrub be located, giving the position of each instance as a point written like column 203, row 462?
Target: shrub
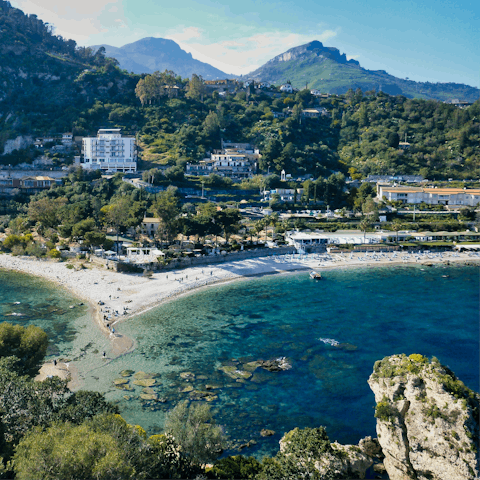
column 54, row 253
column 385, row 411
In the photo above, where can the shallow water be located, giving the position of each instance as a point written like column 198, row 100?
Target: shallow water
column 29, row 300
column 371, row 313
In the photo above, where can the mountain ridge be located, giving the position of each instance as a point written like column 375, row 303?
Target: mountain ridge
column 151, row 54
column 326, row 69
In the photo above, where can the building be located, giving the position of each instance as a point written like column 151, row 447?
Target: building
column 109, row 151
column 27, row 185
column 235, row 161
column 394, row 178
column 314, row 112
column 150, row 226
column 286, row 88
column 287, row 195
column 430, row 196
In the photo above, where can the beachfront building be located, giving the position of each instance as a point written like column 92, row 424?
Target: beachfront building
column 109, row 151
column 305, row 240
column 235, row 161
column 430, row 196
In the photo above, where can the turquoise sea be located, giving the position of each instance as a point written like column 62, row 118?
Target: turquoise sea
column 370, row 312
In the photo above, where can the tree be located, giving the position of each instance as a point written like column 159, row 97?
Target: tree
column 167, row 209
column 364, row 226
column 370, row 208
column 397, row 226
column 195, row 431
column 229, row 220
column 237, row 466
column 28, row 344
column 46, row 211
column 117, row 215
column 71, row 452
column 196, row 88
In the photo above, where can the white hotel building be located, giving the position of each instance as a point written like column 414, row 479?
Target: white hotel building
column 109, row 151
column 430, row 196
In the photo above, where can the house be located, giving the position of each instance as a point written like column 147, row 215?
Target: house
column 109, row 151
column 314, row 112
column 287, row 195
column 67, row 139
column 287, row 88
column 458, row 103
column 27, row 185
column 430, row 196
column 149, row 226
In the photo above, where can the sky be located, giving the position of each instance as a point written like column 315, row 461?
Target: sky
column 423, row 40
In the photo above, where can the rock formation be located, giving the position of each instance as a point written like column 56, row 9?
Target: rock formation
column 427, row 420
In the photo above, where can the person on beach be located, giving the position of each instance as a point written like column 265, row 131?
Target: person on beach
column 54, row 362
column 103, row 354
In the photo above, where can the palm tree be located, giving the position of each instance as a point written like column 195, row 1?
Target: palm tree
column 364, row 226
column 396, row 225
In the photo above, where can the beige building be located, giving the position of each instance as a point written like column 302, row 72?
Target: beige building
column 430, row 195
column 236, row 163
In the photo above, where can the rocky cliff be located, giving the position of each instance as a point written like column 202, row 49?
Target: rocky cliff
column 427, row 420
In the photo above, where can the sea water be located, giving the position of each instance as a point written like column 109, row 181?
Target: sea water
column 330, row 331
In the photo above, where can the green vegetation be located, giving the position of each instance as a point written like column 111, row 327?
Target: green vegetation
column 385, row 411
column 28, row 345
column 387, row 368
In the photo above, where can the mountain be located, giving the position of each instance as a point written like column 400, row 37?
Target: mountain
column 158, row 54
column 45, row 80
column 325, row 69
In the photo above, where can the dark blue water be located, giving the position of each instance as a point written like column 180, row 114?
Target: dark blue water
column 371, row 313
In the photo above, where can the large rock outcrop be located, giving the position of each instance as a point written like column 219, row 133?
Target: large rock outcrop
column 427, row 420
column 308, row 453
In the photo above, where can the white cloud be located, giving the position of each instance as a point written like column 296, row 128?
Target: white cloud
column 243, row 55
column 75, row 19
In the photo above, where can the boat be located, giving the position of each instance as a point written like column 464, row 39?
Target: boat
column 315, row 275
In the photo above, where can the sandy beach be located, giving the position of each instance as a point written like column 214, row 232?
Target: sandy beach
column 116, row 297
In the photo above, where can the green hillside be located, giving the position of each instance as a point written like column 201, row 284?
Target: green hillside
column 46, row 80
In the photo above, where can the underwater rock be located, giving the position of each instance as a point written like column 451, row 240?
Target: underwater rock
column 202, row 377
column 212, row 387
column 265, row 432
column 202, row 395
column 187, row 376
column 120, row 381
column 127, row 373
column 252, row 366
column 276, row 365
column 186, row 389
column 147, row 382
column 346, row 346
column 234, row 373
column 148, row 390
column 144, row 376
column 148, row 396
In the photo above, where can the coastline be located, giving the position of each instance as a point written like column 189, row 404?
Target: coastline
column 121, row 296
